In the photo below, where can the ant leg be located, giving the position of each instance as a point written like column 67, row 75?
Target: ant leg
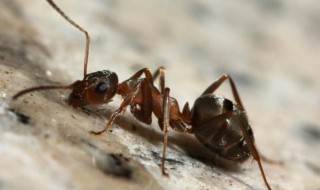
column 223, row 117
column 253, row 151
column 142, row 107
column 144, row 71
column 166, row 118
column 217, row 84
column 160, row 72
column 186, row 113
column 130, row 98
column 115, row 114
column 144, row 114
column 236, row 96
column 166, row 114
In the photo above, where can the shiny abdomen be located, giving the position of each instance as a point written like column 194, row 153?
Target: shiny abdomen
column 222, row 136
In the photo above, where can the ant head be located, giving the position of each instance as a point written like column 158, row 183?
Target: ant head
column 96, row 88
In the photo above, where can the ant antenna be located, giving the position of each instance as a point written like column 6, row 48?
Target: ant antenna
column 85, row 57
column 40, row 88
column 78, row 27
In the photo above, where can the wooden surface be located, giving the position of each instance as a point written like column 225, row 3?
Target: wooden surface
column 270, row 48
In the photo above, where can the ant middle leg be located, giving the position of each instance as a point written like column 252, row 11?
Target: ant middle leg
column 160, row 72
column 166, row 121
column 144, row 71
column 115, row 114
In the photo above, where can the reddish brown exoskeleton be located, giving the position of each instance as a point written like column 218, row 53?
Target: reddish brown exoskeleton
column 218, row 123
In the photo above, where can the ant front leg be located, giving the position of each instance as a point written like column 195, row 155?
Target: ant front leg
column 141, row 107
column 144, row 71
column 144, row 110
column 115, row 114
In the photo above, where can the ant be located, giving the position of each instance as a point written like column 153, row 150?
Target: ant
column 218, row 123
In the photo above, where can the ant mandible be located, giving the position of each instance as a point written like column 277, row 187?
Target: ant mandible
column 218, row 123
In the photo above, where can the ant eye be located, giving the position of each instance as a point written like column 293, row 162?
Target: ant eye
column 102, row 87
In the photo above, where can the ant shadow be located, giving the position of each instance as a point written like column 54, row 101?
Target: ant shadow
column 181, row 142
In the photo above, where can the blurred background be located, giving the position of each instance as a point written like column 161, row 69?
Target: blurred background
column 270, row 48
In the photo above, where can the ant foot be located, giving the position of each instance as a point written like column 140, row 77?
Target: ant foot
column 96, row 133
column 165, row 174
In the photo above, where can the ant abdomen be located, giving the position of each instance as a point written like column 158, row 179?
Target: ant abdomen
column 216, row 125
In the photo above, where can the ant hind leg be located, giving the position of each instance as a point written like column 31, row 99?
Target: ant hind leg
column 253, row 150
column 160, row 72
column 215, row 85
